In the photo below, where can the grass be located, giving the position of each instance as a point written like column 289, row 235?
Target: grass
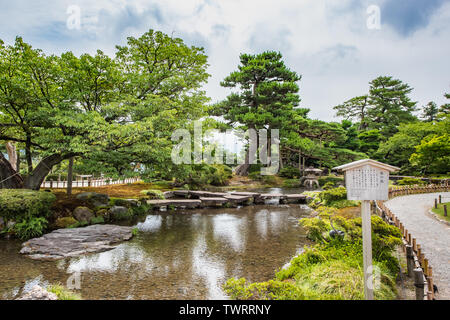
column 440, row 210
column 62, row 293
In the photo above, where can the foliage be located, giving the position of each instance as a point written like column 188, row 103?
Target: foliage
column 433, row 154
column 289, row 172
column 30, row 227
column 198, row 175
column 329, row 196
column 62, row 293
column 333, row 179
column 153, row 194
column 409, row 181
column 291, row 183
column 23, row 204
column 329, row 185
column 271, row 290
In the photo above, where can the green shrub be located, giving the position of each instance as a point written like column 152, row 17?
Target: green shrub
column 336, row 194
column 30, row 228
column 19, row 204
column 270, row 290
column 289, row 172
column 334, row 179
column 329, row 185
column 255, row 176
column 410, row 181
column 153, row 194
column 62, row 293
column 291, row 183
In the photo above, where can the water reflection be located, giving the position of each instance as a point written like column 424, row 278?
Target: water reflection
column 182, row 255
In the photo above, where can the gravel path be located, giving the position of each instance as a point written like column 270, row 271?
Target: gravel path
column 432, row 235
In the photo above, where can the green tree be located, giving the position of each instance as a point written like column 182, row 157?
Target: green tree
column 390, row 105
column 266, row 98
column 369, row 142
column 433, row 154
column 354, row 109
column 430, row 112
column 399, row 148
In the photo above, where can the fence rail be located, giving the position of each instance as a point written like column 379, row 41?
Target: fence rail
column 418, row 265
column 87, row 183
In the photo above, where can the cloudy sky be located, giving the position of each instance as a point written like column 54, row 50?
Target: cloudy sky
column 328, row 42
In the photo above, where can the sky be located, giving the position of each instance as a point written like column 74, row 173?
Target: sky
column 335, row 45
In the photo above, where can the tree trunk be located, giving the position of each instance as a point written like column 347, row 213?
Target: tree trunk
column 12, row 154
column 9, row 178
column 28, row 154
column 70, row 176
column 242, row 169
column 18, row 161
column 34, row 180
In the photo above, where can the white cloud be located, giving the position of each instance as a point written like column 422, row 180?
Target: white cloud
column 325, row 41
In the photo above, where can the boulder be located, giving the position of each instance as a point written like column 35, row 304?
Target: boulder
column 38, row 293
column 83, row 214
column 118, row 213
column 64, row 222
column 73, row 242
column 94, row 198
column 126, row 203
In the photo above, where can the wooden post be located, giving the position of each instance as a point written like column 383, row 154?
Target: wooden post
column 414, row 245
column 418, row 283
column 409, row 260
column 367, row 249
column 425, row 266
column 430, row 282
column 445, row 210
column 440, row 199
column 435, row 203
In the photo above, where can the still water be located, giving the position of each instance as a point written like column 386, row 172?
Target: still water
column 177, row 255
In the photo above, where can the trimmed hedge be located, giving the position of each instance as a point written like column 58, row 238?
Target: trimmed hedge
column 20, row 204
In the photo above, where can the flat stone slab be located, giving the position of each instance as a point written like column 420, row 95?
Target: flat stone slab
column 176, row 203
column 238, row 199
column 206, row 194
column 63, row 243
column 247, row 194
column 213, row 201
column 273, row 196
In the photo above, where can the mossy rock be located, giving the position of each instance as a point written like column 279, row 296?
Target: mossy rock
column 65, row 222
column 83, row 214
column 153, row 194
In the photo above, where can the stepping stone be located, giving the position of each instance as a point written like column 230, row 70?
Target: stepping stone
column 181, row 193
column 64, row 243
column 206, row 194
column 176, row 203
column 295, row 198
column 212, row 202
column 238, row 199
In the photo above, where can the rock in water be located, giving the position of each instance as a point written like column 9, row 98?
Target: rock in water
column 38, row 293
column 64, row 243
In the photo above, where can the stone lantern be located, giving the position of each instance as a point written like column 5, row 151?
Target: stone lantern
column 311, row 177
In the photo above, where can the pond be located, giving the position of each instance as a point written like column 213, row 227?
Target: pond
column 185, row 254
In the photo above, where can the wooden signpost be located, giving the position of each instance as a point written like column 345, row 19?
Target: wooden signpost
column 367, row 180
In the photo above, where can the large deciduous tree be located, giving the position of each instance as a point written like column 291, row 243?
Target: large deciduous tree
column 112, row 112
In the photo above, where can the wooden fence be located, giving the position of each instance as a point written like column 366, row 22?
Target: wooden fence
column 88, row 183
column 418, row 266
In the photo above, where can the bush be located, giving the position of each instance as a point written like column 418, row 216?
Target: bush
column 97, row 220
column 153, row 194
column 255, row 176
column 329, row 196
column 23, row 204
column 409, row 181
column 334, row 179
column 62, row 293
column 30, row 228
column 329, row 185
column 291, row 183
column 270, row 290
column 289, row 172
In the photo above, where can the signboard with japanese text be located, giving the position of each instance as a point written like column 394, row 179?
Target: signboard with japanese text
column 367, row 183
